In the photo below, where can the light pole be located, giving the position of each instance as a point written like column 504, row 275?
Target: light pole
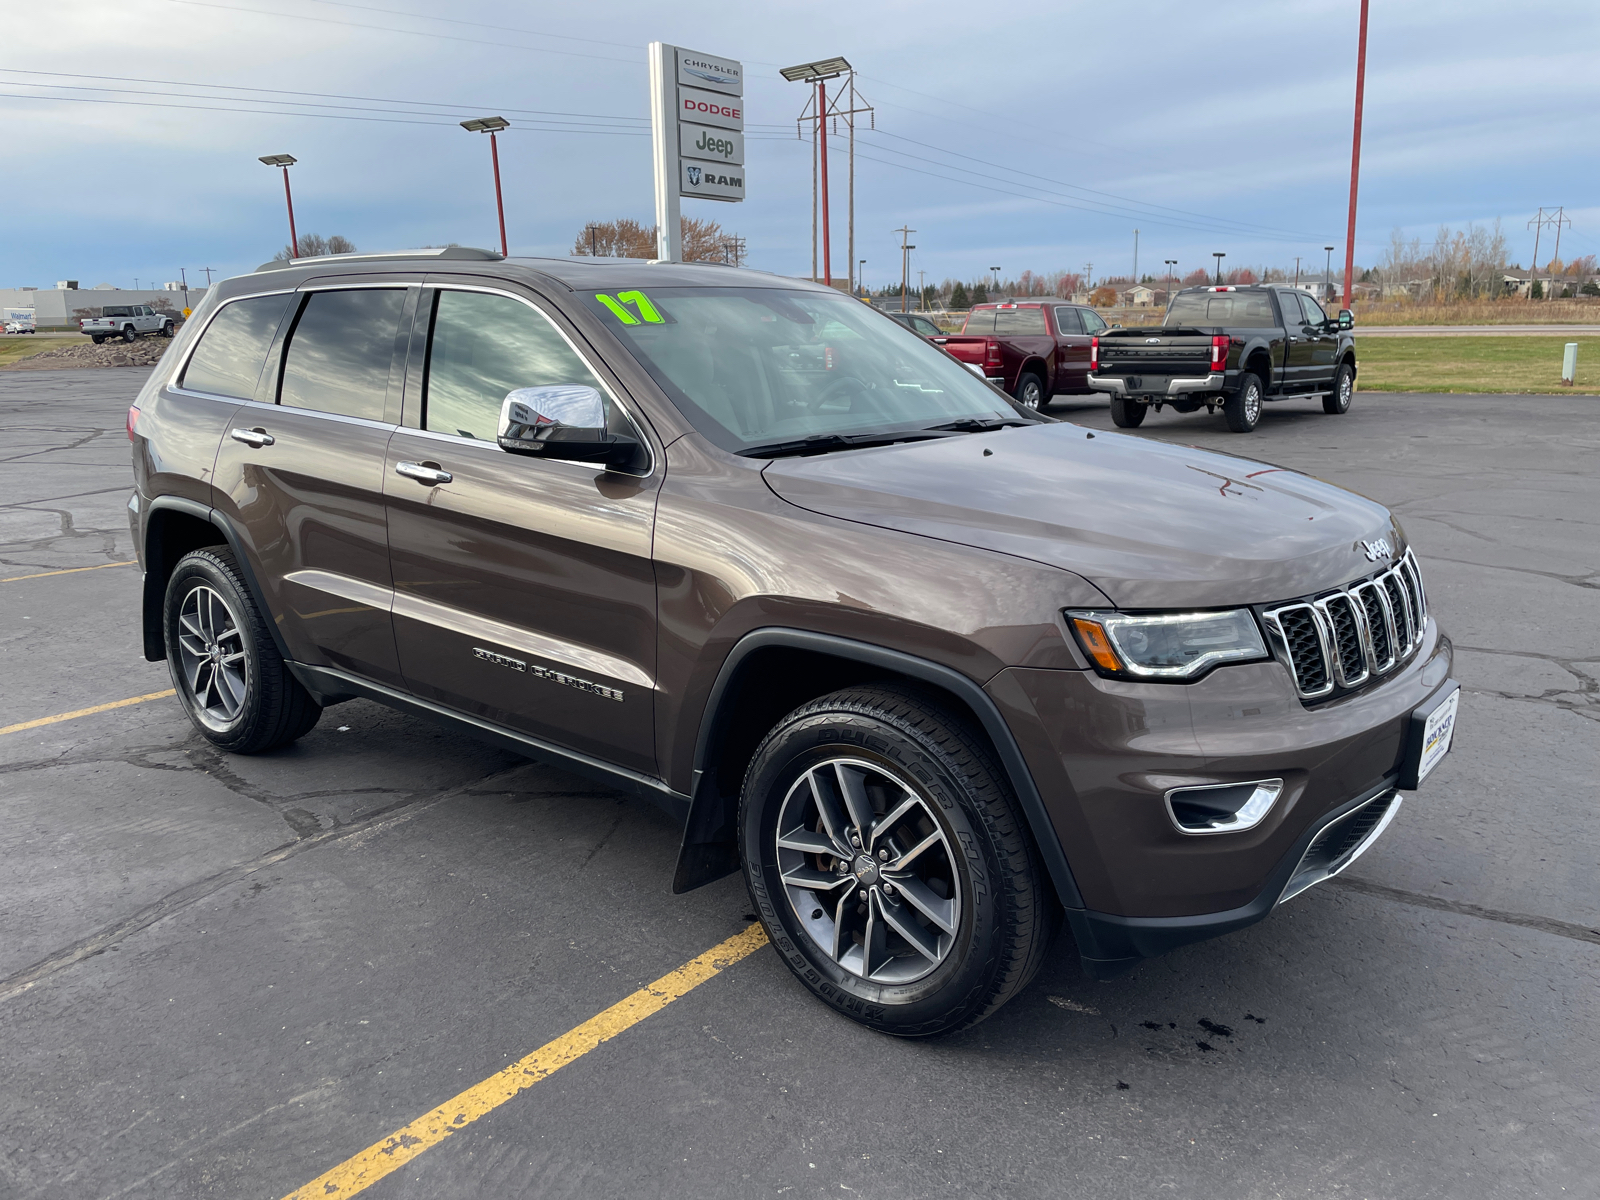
column 285, row 161
column 861, row 280
column 1355, row 156
column 1172, row 264
column 492, row 126
column 1327, row 274
column 1219, row 255
column 996, row 271
column 818, row 73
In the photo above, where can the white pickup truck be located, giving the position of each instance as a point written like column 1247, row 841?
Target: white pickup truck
column 126, row 321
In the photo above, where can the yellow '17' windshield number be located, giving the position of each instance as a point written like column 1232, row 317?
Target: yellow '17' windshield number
column 618, row 306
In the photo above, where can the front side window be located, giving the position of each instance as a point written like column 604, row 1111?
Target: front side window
column 233, row 348
column 1093, row 322
column 337, row 359
column 752, row 367
column 1312, row 309
column 484, row 347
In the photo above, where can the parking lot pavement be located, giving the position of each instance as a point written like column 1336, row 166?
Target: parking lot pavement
column 223, row 977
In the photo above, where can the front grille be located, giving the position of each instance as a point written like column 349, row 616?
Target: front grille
column 1343, row 639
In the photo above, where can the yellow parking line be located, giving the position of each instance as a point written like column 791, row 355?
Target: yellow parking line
column 401, row 1146
column 86, row 712
column 69, row 571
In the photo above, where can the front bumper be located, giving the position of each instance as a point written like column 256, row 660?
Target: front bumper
column 1178, row 386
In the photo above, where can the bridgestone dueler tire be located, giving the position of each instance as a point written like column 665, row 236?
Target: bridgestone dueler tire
column 1009, row 913
column 1337, row 401
column 276, row 708
column 1242, row 415
column 1127, row 414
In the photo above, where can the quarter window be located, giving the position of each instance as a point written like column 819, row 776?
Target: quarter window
column 484, row 347
column 229, row 358
column 338, row 356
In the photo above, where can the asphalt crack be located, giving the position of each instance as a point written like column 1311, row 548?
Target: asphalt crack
column 1566, row 929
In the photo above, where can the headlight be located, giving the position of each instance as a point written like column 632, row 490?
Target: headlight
column 1167, row 645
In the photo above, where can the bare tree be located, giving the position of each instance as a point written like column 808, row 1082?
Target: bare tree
column 703, row 241
column 314, row 245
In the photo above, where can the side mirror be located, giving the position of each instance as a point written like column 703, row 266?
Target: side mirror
column 1116, row 325
column 568, row 423
column 1347, row 319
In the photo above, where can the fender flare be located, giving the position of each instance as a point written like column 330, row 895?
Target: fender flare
column 155, row 590
column 699, row 860
column 1274, row 370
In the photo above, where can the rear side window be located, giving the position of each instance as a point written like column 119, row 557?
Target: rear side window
column 228, row 360
column 1019, row 321
column 484, row 347
column 980, row 320
column 337, row 359
column 1067, row 321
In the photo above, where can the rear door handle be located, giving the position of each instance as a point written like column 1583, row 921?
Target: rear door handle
column 254, row 438
column 423, row 473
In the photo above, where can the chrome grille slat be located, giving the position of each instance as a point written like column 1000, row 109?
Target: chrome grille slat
column 1346, row 637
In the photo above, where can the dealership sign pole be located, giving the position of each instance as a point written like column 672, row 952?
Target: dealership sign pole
column 697, row 135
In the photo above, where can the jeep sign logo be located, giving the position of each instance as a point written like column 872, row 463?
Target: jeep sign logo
column 713, row 145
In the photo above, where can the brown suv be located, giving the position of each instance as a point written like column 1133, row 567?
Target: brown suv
column 935, row 670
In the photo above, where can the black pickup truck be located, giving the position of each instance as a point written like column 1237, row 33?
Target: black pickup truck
column 1228, row 347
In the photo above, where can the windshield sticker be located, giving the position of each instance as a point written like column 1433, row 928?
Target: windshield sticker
column 639, row 300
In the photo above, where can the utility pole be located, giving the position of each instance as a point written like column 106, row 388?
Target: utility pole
column 816, row 113
column 922, row 291
column 1135, row 256
column 1297, row 270
column 1171, row 264
column 1088, row 277
column 184, row 275
column 208, row 271
column 1355, row 158
column 905, row 262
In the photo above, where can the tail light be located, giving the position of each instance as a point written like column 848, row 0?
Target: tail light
column 133, row 415
column 1219, row 352
column 1094, row 354
column 991, row 356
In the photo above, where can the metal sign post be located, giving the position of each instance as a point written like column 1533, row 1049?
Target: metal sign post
column 697, row 135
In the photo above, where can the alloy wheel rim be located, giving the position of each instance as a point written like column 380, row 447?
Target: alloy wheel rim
column 1252, row 405
column 1346, row 386
column 868, row 871
column 212, row 657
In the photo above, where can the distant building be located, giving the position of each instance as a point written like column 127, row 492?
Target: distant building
column 54, row 308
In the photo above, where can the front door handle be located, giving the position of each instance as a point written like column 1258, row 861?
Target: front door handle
column 254, row 438
column 423, row 473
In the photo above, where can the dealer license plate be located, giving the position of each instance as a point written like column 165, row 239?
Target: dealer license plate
column 1437, row 732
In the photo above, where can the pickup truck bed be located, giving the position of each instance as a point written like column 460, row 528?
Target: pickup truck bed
column 1030, row 349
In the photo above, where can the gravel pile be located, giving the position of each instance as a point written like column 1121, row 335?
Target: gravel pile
column 145, row 352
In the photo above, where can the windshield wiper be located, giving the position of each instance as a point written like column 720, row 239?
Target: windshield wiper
column 979, row 424
column 819, row 442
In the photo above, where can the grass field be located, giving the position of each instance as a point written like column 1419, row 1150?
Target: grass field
column 1483, row 312
column 1468, row 364
column 23, row 345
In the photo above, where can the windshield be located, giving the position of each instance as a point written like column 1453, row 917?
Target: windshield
column 1241, row 310
column 755, row 366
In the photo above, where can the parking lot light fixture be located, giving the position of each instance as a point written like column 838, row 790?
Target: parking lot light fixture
column 286, row 161
column 492, row 126
column 1172, row 267
column 1219, row 255
column 1327, row 274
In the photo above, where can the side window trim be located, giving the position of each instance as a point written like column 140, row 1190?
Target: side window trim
column 416, row 410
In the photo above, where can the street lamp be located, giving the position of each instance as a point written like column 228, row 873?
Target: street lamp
column 818, row 73
column 491, row 126
column 996, row 271
column 1327, row 274
column 1219, row 255
column 861, row 281
column 1172, row 265
column 286, row 161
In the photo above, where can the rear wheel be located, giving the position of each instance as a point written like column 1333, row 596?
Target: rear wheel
column 1344, row 390
column 1243, row 408
column 884, row 852
column 128, row 333
column 1030, row 391
column 1126, row 413
column 224, row 664
column 97, row 338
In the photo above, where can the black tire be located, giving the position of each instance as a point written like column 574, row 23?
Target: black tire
column 1030, row 391
column 97, row 338
column 1126, row 413
column 128, row 333
column 1004, row 912
column 1243, row 407
column 1337, row 401
column 272, row 708
column 166, row 329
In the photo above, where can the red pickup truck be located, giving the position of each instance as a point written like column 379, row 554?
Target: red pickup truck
column 1031, row 349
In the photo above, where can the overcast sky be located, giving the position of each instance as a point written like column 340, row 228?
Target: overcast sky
column 1025, row 136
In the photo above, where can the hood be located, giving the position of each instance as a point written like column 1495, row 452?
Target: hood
column 1153, row 525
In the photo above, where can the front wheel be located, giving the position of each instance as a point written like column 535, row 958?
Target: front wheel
column 1030, row 391
column 1344, row 390
column 1243, row 408
column 225, row 666
column 166, row 329
column 1126, row 413
column 884, row 852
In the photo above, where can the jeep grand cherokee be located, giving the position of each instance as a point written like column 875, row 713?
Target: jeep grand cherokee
column 934, row 671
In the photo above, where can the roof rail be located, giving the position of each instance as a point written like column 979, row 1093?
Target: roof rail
column 456, row 253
